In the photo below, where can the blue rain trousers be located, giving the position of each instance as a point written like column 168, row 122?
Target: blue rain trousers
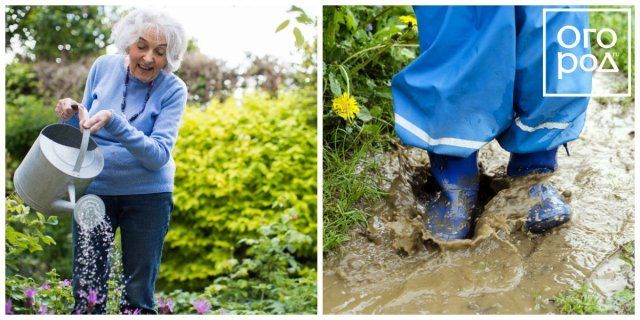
column 479, row 76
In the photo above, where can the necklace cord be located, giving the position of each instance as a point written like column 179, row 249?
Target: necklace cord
column 124, row 97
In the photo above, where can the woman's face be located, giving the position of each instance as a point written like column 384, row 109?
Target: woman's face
column 148, row 55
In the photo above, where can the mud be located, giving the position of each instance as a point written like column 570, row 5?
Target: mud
column 393, row 267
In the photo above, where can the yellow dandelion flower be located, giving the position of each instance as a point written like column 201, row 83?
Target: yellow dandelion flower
column 346, row 106
column 410, row 21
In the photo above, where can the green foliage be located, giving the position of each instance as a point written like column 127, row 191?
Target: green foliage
column 25, row 117
column 623, row 302
column 53, row 296
column 192, row 46
column 301, row 18
column 363, row 47
column 579, row 301
column 305, row 71
column 350, row 181
column 619, row 22
column 58, row 256
column 26, row 114
column 628, row 253
column 585, row 301
column 238, row 165
column 24, row 232
column 182, row 300
column 57, row 32
column 269, row 280
column 21, row 80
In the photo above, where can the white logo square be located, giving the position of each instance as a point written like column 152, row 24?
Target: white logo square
column 594, row 63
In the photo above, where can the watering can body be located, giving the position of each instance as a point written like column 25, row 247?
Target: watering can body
column 56, row 170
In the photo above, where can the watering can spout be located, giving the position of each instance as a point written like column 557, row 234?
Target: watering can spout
column 63, row 206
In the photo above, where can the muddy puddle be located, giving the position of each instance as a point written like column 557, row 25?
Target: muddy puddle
column 393, row 268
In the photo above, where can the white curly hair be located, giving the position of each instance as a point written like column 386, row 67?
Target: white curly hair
column 129, row 29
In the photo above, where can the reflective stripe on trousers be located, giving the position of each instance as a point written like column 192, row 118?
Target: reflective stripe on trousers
column 479, row 77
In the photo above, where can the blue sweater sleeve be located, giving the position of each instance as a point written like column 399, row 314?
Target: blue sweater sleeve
column 153, row 151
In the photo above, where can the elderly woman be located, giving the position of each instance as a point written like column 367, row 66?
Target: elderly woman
column 132, row 104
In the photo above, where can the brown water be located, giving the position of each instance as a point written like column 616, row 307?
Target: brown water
column 392, row 267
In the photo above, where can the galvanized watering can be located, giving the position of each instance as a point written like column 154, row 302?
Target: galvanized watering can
column 58, row 168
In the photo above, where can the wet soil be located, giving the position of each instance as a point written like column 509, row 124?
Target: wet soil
column 393, row 267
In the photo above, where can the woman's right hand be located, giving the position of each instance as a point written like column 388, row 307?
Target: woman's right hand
column 67, row 107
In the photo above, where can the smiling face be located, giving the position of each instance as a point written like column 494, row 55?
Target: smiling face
column 148, row 55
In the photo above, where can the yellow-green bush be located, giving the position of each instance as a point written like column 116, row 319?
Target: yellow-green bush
column 239, row 165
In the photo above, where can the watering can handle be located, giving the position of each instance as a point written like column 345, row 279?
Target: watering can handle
column 83, row 149
column 83, row 145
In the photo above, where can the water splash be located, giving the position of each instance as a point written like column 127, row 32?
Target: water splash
column 393, row 267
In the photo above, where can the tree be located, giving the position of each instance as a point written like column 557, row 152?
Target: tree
column 60, row 33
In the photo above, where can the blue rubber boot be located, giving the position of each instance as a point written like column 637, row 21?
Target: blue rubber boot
column 450, row 217
column 551, row 211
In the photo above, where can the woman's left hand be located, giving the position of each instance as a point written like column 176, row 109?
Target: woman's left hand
column 98, row 121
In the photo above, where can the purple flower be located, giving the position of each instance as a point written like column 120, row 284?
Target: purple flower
column 369, row 27
column 45, row 286
column 64, row 283
column 92, row 299
column 7, row 307
column 43, row 309
column 134, row 312
column 30, row 294
column 202, row 306
column 165, row 305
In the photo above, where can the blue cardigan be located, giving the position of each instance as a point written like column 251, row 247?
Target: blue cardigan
column 137, row 155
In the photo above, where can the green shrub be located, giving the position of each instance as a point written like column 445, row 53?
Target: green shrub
column 25, row 117
column 37, row 263
column 269, row 280
column 21, row 80
column 239, row 164
column 24, row 233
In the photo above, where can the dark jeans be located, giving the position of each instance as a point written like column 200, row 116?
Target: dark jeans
column 143, row 221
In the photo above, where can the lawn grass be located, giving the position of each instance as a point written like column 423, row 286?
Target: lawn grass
column 349, row 180
column 363, row 47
